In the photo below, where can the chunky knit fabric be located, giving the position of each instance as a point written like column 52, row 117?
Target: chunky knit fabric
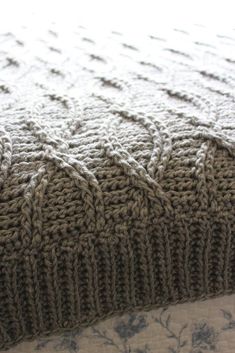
column 117, row 175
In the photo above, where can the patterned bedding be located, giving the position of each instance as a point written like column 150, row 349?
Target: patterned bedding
column 200, row 327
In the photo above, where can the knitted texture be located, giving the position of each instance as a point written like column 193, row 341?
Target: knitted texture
column 117, row 175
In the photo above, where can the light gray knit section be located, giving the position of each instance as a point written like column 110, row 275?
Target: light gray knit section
column 117, row 175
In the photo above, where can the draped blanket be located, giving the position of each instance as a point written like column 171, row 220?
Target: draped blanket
column 117, row 175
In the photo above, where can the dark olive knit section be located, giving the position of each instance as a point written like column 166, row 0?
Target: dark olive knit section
column 117, row 175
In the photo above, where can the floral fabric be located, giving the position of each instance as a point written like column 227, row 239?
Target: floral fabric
column 200, row 327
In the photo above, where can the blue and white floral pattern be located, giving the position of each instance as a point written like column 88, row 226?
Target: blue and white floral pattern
column 201, row 327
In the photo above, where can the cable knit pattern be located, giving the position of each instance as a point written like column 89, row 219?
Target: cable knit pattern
column 117, row 175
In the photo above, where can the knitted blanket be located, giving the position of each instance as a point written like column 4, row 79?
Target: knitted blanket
column 117, row 175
